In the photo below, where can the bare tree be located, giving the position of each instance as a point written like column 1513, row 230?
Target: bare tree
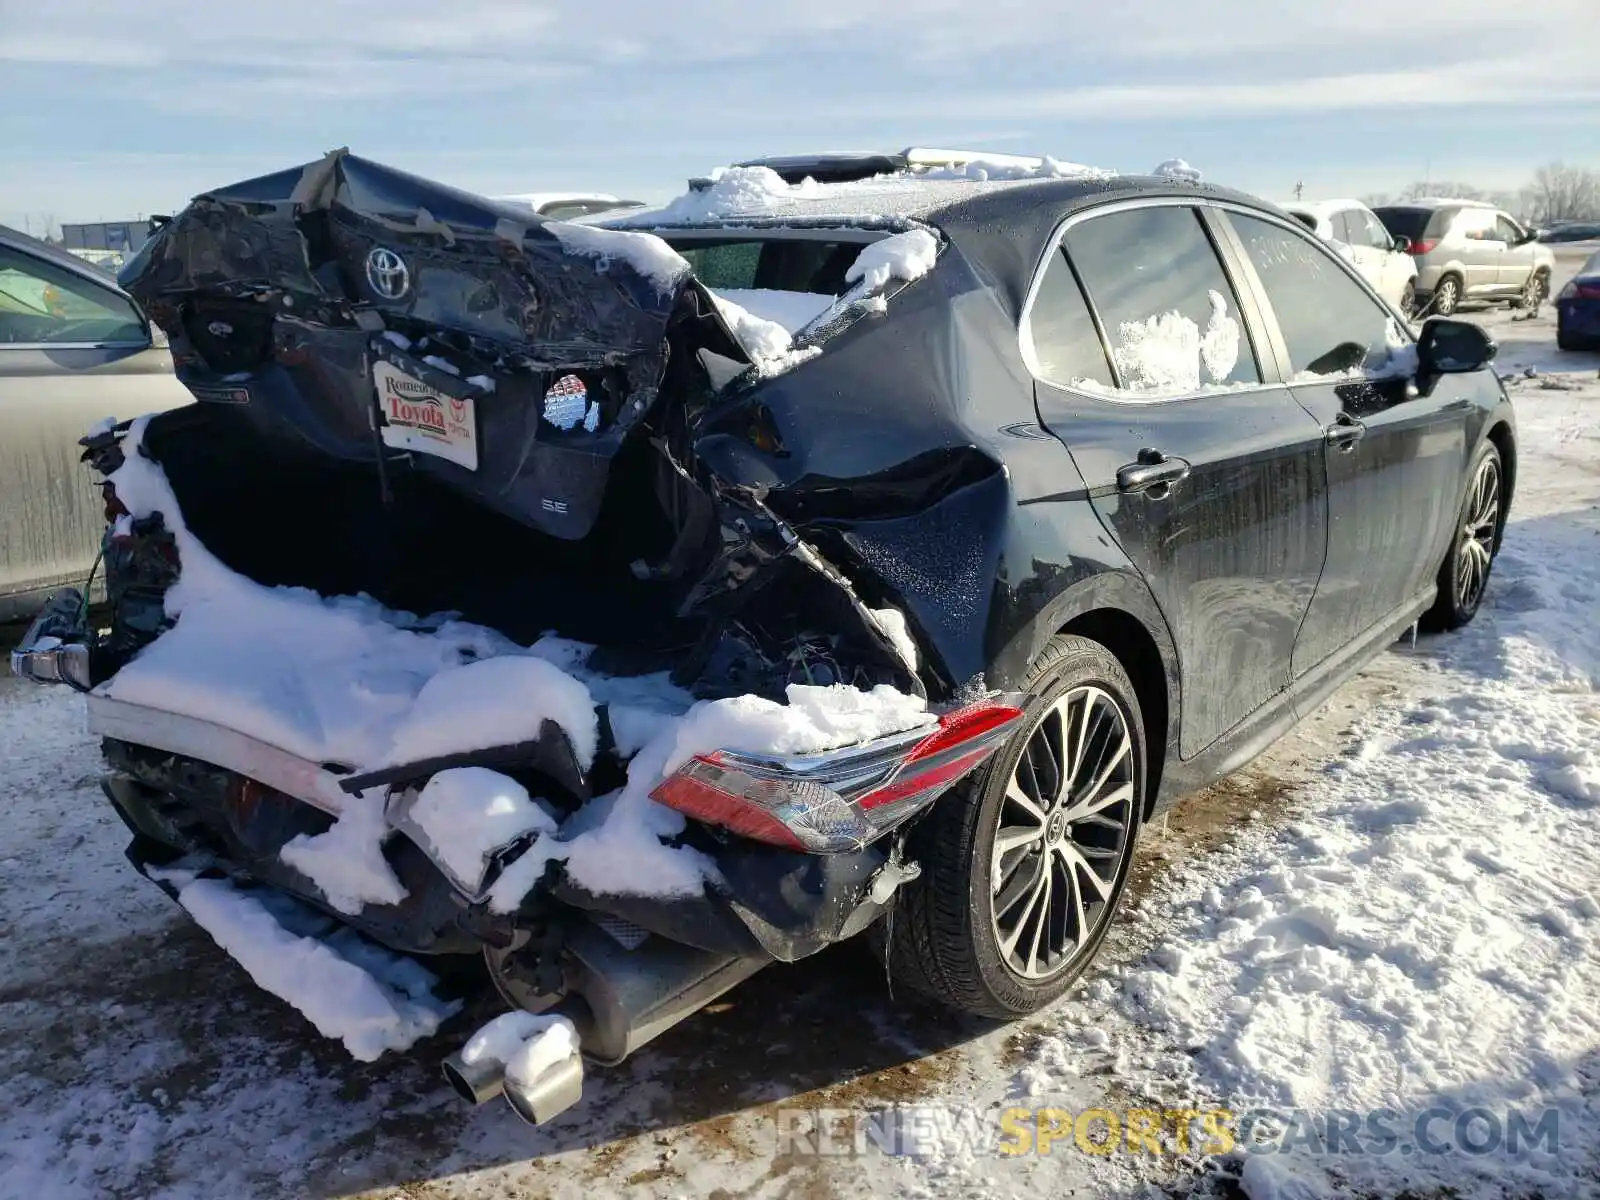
column 1443, row 188
column 1563, row 193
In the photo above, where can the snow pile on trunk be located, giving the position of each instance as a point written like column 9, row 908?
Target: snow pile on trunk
column 906, row 256
column 360, row 994
column 329, row 679
column 644, row 252
column 343, row 680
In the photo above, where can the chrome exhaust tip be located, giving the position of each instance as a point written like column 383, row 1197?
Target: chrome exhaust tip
column 530, row 1058
column 475, row 1082
column 556, row 1089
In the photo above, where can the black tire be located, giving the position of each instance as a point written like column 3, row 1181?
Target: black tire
column 942, row 936
column 1446, row 296
column 1464, row 575
column 1408, row 300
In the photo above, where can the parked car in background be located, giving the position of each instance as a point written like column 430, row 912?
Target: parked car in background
column 1571, row 231
column 74, row 349
column 1379, row 255
column 1469, row 250
column 1578, row 309
column 568, row 206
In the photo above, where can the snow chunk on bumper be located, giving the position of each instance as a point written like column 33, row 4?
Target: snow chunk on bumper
column 381, row 1002
column 613, row 846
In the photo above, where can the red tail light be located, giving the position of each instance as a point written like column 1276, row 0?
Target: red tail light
column 1422, row 247
column 1587, row 291
column 844, row 799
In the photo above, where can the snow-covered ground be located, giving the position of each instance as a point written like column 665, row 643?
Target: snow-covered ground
column 1397, row 908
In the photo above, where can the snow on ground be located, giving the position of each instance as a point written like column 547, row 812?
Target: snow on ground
column 1421, row 929
column 339, row 993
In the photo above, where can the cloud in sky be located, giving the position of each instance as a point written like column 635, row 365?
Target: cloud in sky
column 113, row 110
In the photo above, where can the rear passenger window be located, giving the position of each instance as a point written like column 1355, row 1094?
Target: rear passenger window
column 1166, row 305
column 1329, row 322
column 1066, row 346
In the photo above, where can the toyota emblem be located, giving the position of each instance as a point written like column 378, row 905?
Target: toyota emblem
column 387, row 273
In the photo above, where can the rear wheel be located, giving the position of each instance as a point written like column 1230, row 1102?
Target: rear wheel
column 1465, row 574
column 1023, row 868
column 1533, row 292
column 1447, row 296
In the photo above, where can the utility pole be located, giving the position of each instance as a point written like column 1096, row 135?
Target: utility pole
column 1299, row 189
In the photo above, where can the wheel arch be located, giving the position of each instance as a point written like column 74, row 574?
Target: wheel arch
column 1505, row 442
column 1136, row 649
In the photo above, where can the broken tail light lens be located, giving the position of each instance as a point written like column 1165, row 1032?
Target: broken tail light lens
column 841, row 800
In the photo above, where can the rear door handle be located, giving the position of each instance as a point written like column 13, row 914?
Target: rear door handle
column 1345, row 432
column 1153, row 469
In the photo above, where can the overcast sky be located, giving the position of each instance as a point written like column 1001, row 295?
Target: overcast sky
column 112, row 110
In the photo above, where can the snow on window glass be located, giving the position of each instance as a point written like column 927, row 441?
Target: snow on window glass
column 1169, row 353
column 1167, row 308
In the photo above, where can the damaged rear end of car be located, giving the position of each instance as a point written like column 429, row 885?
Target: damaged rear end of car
column 665, row 721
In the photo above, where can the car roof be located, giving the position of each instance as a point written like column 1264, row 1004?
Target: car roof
column 905, row 200
column 1003, row 227
column 1319, row 208
column 1440, row 202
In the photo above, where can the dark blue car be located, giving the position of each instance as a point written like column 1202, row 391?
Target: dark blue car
column 1578, row 309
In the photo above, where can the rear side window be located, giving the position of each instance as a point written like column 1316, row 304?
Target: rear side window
column 1332, row 327
column 770, row 264
column 1344, row 228
column 1066, row 346
column 1474, row 223
column 1409, row 223
column 1164, row 301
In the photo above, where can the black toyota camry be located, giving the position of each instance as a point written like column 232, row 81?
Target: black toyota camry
column 1111, row 478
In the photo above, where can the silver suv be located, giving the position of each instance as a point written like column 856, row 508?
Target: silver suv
column 1468, row 250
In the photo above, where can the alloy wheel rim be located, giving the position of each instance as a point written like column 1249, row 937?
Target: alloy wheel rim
column 1061, row 833
column 1533, row 292
column 1447, row 297
column 1478, row 529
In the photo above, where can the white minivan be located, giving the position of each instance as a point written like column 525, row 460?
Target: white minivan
column 1376, row 253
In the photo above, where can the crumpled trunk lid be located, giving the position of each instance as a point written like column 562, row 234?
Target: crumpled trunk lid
column 371, row 316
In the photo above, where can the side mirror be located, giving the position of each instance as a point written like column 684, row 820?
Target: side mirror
column 1401, row 245
column 1449, row 347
